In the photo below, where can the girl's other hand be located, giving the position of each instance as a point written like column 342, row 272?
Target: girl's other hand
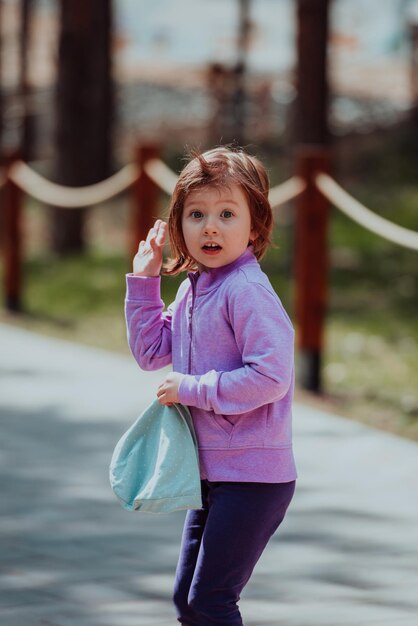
column 167, row 392
column 149, row 258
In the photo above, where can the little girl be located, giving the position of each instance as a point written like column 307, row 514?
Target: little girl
column 230, row 343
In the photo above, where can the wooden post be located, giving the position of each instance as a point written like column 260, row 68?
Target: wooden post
column 311, row 265
column 312, row 136
column 145, row 197
column 12, row 245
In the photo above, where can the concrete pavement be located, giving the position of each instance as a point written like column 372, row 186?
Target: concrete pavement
column 346, row 555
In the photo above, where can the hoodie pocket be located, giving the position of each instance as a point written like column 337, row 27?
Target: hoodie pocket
column 250, row 428
column 226, row 425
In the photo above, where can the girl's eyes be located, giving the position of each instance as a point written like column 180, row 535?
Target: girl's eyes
column 198, row 214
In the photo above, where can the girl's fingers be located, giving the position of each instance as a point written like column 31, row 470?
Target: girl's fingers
column 151, row 234
column 165, row 402
column 153, row 231
column 157, row 240
column 162, row 393
column 161, row 234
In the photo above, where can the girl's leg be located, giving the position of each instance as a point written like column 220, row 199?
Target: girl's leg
column 241, row 519
column 194, row 526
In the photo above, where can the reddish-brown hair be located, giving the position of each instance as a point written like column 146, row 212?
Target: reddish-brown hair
column 220, row 167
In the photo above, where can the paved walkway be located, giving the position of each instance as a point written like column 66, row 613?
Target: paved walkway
column 347, row 554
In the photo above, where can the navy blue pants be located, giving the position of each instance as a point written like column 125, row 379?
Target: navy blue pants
column 221, row 544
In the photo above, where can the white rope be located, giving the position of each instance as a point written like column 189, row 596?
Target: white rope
column 45, row 191
column 286, row 191
column 161, row 175
column 362, row 215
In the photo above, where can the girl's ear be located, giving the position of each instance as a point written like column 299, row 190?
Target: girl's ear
column 253, row 236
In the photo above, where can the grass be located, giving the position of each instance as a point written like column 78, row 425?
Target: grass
column 370, row 359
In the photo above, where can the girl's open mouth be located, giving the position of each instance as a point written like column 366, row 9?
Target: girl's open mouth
column 211, row 248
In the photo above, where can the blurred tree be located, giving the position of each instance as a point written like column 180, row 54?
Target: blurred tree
column 240, row 70
column 84, row 110
column 413, row 31
column 311, row 106
column 227, row 86
column 27, row 139
column 1, row 82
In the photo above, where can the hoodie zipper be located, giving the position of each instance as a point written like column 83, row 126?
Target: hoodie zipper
column 190, row 314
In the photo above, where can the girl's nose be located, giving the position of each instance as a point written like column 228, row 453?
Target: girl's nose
column 210, row 227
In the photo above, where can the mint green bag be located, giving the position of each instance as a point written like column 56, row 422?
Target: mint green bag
column 155, row 464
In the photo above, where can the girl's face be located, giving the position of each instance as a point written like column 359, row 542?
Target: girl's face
column 216, row 225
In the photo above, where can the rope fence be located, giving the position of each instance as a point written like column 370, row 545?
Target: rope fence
column 364, row 216
column 38, row 187
column 166, row 180
column 161, row 175
column 280, row 194
column 47, row 192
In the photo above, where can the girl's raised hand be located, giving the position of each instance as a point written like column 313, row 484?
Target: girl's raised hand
column 149, row 258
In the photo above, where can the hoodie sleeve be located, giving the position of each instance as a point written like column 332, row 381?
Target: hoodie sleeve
column 265, row 337
column 148, row 326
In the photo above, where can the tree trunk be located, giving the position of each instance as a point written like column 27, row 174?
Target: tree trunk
column 413, row 30
column 1, row 86
column 239, row 95
column 311, row 113
column 84, row 110
column 27, row 126
column 227, row 85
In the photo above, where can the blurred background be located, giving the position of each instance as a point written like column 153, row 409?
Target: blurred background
column 85, row 83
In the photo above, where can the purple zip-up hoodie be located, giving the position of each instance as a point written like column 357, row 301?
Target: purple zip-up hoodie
column 228, row 332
